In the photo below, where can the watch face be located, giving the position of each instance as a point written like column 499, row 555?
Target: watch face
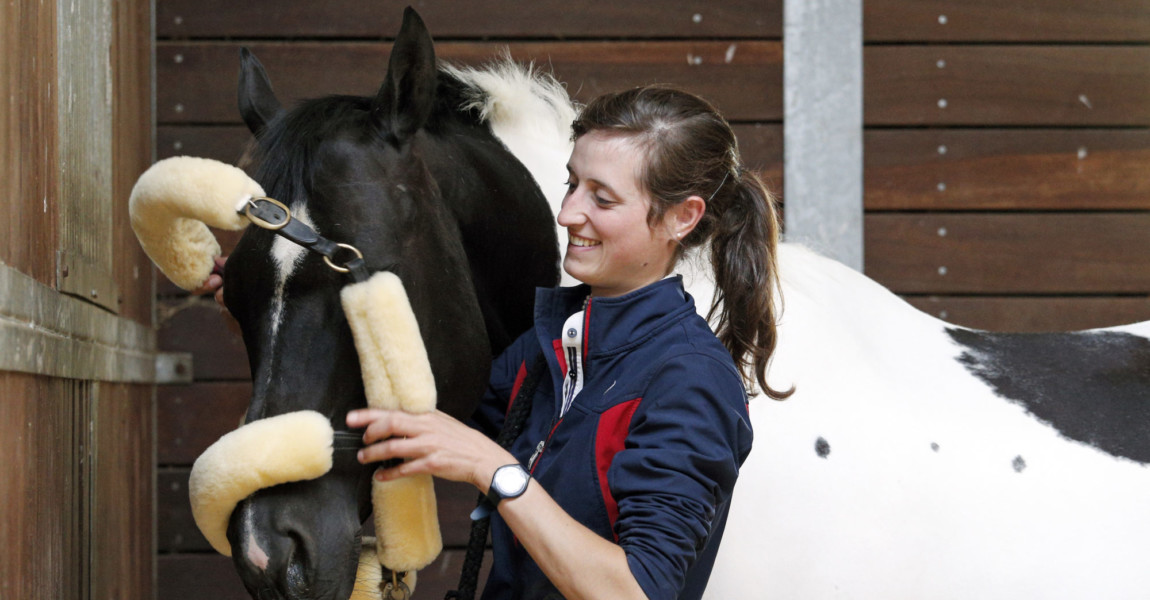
column 510, row 481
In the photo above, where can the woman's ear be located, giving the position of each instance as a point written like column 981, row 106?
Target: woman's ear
column 684, row 216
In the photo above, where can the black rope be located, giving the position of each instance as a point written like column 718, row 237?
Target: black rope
column 512, row 427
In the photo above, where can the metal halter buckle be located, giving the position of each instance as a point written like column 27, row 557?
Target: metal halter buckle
column 338, row 268
column 263, row 223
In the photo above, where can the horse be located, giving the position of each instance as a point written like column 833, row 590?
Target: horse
column 915, row 459
column 919, row 459
column 414, row 178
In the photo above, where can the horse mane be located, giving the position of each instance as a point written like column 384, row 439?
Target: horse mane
column 529, row 111
column 285, row 151
column 515, row 97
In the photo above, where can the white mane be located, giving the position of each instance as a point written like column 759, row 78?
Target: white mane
column 531, row 113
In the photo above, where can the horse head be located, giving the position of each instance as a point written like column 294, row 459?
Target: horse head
column 418, row 183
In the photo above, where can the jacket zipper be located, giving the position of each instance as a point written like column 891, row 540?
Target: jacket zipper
column 542, row 445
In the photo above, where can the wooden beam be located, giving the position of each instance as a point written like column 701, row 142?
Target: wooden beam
column 998, row 85
column 1035, row 313
column 1007, row 169
column 196, row 82
column 446, row 19
column 997, row 21
column 1011, row 253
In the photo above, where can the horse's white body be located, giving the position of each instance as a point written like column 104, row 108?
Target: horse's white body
column 934, row 487
column 893, row 472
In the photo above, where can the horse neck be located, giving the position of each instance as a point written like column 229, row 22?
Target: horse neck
column 505, row 224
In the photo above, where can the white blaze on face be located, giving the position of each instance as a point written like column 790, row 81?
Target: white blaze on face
column 287, row 256
column 255, row 555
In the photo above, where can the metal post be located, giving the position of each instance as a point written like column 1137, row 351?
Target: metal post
column 823, row 127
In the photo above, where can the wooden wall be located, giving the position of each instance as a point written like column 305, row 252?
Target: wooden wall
column 1007, row 147
column 76, row 409
column 1019, row 203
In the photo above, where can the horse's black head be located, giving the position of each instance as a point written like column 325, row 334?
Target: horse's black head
column 366, row 172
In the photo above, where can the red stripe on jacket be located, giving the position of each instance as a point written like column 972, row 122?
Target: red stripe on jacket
column 609, row 438
column 519, row 377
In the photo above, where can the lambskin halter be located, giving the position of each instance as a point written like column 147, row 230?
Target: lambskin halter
column 273, row 215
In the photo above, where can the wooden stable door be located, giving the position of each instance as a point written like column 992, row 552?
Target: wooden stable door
column 77, row 345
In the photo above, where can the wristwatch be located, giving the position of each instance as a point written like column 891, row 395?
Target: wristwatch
column 509, row 481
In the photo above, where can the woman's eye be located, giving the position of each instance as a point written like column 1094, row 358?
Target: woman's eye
column 601, row 201
column 570, row 186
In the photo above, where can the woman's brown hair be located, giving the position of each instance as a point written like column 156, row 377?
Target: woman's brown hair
column 690, row 150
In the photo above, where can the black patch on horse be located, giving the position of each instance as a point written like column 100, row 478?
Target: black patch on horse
column 1093, row 387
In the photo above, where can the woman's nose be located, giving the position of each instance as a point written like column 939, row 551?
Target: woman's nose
column 570, row 213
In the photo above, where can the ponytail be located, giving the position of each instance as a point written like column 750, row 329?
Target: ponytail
column 743, row 260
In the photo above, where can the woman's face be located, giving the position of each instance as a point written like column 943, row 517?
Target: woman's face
column 610, row 246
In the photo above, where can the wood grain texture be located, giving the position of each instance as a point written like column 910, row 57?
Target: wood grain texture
column 43, row 423
column 1049, row 253
column 449, row 19
column 1035, row 313
column 199, row 326
column 997, row 21
column 123, row 550
column 132, row 148
column 1007, row 169
column 189, row 418
column 28, row 140
column 1000, row 85
column 196, row 82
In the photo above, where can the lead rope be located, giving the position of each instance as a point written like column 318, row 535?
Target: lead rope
column 512, row 427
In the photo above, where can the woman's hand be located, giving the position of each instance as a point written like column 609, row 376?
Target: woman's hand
column 437, row 444
column 214, row 284
column 432, row 442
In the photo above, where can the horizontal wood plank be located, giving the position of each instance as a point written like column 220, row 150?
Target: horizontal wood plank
column 202, row 576
column 1046, row 253
column 200, row 327
column 474, row 19
column 196, row 82
column 198, row 576
column 226, row 143
column 761, row 146
column 189, row 418
column 1007, row 85
column 998, row 21
column 1035, row 313
column 1007, row 169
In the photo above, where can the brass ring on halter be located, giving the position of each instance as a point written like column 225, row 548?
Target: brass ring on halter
column 396, row 585
column 263, row 223
column 339, row 269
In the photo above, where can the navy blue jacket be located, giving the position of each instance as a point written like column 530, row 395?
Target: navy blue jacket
column 647, row 455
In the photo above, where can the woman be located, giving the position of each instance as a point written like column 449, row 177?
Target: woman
column 619, row 484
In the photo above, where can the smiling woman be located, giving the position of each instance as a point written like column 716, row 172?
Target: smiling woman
column 622, row 487
column 610, row 245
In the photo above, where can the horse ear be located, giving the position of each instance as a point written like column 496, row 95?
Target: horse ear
column 404, row 100
column 257, row 101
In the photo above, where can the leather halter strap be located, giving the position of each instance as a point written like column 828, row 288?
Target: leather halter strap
column 270, row 214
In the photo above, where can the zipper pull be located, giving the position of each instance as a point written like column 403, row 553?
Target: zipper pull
column 535, row 455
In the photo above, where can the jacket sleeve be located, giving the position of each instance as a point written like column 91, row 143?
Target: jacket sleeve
column 687, row 440
column 505, row 372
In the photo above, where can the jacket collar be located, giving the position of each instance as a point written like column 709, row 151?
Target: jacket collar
column 613, row 324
